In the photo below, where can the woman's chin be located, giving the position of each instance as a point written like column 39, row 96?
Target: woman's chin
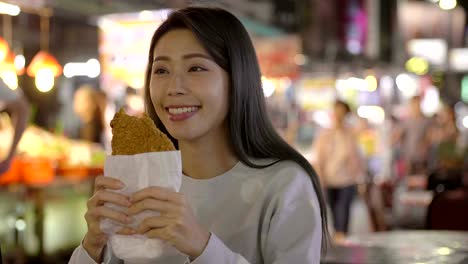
column 182, row 136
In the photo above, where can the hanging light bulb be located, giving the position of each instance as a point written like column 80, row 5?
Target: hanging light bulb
column 447, row 4
column 8, row 71
column 44, row 60
column 44, row 67
column 20, row 62
column 44, row 80
column 10, row 79
column 4, row 48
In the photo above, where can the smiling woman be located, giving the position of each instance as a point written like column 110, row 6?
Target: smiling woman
column 185, row 77
column 246, row 195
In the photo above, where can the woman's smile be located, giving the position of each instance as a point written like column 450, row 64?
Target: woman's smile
column 181, row 113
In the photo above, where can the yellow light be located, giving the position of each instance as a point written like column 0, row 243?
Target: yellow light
column 10, row 78
column 44, row 80
column 447, row 4
column 20, row 62
column 4, row 49
column 268, row 86
column 371, row 83
column 444, row 251
column 137, row 82
column 417, row 65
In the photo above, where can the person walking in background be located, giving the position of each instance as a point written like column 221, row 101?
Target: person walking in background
column 340, row 167
column 444, row 127
column 448, row 156
column 87, row 105
column 415, row 138
column 16, row 105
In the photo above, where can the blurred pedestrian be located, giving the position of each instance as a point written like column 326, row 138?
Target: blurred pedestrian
column 87, row 105
column 415, row 138
column 448, row 156
column 340, row 167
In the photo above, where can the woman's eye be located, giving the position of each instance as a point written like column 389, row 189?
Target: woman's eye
column 196, row 69
column 160, row 71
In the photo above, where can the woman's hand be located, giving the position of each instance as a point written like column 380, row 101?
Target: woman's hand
column 95, row 239
column 177, row 224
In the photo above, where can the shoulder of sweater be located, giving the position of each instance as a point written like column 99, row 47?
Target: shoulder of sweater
column 284, row 168
column 287, row 184
column 284, row 175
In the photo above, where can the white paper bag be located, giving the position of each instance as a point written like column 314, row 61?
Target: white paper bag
column 163, row 169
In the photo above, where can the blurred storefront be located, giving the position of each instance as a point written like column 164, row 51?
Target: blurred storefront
column 374, row 55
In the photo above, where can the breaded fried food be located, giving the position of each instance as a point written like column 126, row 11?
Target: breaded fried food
column 134, row 135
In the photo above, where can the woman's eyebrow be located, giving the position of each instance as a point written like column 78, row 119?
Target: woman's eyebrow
column 196, row 55
column 186, row 56
column 158, row 58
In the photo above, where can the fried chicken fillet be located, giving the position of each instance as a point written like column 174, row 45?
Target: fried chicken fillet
column 134, row 135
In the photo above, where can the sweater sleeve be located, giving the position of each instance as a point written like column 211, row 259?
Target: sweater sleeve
column 81, row 256
column 217, row 252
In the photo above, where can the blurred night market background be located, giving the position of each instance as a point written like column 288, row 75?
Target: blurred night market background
column 401, row 65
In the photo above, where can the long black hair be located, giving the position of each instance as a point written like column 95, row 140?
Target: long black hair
column 251, row 133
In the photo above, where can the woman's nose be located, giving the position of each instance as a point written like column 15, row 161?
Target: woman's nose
column 176, row 85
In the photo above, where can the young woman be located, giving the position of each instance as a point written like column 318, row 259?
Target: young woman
column 246, row 195
column 340, row 167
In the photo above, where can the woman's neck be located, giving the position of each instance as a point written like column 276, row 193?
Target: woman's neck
column 207, row 158
column 339, row 125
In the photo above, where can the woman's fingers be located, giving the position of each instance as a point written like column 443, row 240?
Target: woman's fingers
column 158, row 193
column 127, row 231
column 167, row 234
column 161, row 233
column 102, row 196
column 103, row 182
column 156, row 222
column 163, row 207
column 105, row 212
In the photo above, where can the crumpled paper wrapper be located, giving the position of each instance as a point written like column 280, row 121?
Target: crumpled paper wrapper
column 163, row 169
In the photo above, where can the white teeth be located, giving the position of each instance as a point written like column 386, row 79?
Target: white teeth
column 178, row 111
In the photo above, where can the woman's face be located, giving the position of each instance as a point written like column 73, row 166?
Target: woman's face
column 83, row 105
column 340, row 113
column 188, row 89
